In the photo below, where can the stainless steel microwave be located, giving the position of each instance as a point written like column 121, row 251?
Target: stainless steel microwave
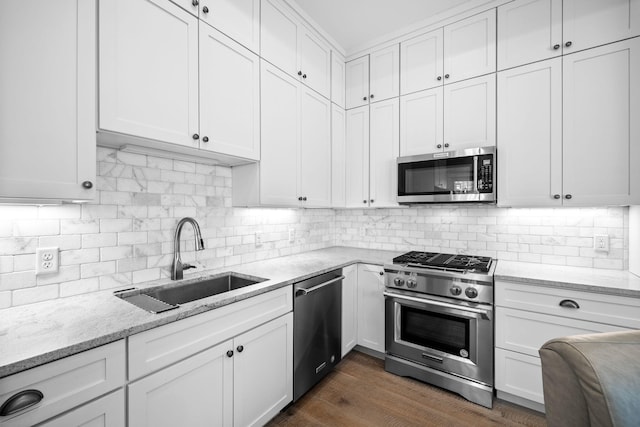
column 450, row 176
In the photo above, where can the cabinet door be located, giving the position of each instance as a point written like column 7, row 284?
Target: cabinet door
column 601, row 104
column 149, row 79
column 107, row 411
column 529, row 31
column 384, row 74
column 592, row 23
column 279, row 37
column 338, row 157
column 371, row 307
column 384, row 146
column 470, row 47
column 315, row 62
column 530, row 134
column 229, row 96
column 421, row 62
column 357, row 158
column 195, row 392
column 337, row 79
column 421, row 122
column 262, row 372
column 315, row 149
column 349, row 308
column 357, row 81
column 47, row 106
column 519, row 375
column 238, row 19
column 280, row 126
column 470, row 113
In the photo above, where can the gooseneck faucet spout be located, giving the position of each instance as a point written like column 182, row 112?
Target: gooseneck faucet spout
column 178, row 267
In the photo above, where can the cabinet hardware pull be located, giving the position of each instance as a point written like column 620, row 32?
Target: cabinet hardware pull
column 364, row 98
column 371, row 96
column 304, row 76
column 381, row 273
column 439, row 145
column 556, row 46
column 439, row 78
column 556, row 196
column 194, row 2
column 229, row 353
column 446, row 144
column 300, row 72
column 87, row 184
column 300, row 198
column 569, row 303
column 304, row 198
column 568, row 44
column 364, row 201
column 371, row 200
column 240, row 348
column 21, row 400
column 205, row 9
column 568, row 196
column 446, row 76
column 196, row 136
column 205, row 139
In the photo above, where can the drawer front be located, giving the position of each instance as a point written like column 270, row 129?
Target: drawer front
column 526, row 332
column 600, row 308
column 108, row 411
column 66, row 383
column 519, row 375
column 162, row 346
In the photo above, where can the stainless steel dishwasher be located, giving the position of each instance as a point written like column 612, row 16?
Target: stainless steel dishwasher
column 317, row 329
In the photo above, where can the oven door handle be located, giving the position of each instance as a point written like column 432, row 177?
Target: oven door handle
column 482, row 313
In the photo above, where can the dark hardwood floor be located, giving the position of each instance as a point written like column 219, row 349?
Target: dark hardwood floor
column 361, row 393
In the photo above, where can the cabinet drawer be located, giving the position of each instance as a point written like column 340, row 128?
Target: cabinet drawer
column 160, row 347
column 526, row 332
column 519, row 374
column 107, row 411
column 66, row 383
column 600, row 308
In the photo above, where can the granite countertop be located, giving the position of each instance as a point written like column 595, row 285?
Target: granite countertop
column 611, row 282
column 39, row 333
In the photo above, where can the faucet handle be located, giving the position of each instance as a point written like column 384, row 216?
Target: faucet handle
column 188, row 266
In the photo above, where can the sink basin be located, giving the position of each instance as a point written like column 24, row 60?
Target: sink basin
column 163, row 298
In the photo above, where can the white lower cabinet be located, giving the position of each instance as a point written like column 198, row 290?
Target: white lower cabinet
column 371, row 307
column 349, row 308
column 107, row 411
column 546, row 313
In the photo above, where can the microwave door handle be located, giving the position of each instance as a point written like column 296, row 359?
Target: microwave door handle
column 480, row 312
column 475, row 173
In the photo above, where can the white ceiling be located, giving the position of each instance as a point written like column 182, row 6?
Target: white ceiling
column 355, row 23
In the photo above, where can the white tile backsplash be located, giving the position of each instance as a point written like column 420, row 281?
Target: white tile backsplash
column 126, row 236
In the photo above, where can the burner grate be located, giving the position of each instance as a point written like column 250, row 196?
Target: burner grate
column 445, row 261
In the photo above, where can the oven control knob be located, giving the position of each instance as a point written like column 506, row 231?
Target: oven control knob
column 411, row 283
column 455, row 290
column 471, row 292
column 398, row 281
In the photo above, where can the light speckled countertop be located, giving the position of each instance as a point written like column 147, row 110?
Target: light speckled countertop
column 39, row 333
column 612, row 282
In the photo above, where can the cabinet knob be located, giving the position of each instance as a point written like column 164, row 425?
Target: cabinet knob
column 206, row 10
column 229, row 353
column 381, row 273
column 556, row 46
column 364, row 98
column 371, row 96
column 22, row 400
column 568, row 44
column 300, row 72
column 205, row 139
column 194, row 2
column 568, row 196
column 364, row 201
column 556, row 196
column 446, row 76
column 371, row 200
column 300, row 198
column 87, row 184
column 439, row 145
column 446, row 144
column 196, row 136
column 439, row 78
column 304, row 198
column 304, row 76
column 240, row 348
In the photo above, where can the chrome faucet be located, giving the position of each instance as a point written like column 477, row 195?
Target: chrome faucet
column 178, row 267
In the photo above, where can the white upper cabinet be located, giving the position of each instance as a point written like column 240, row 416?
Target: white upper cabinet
column 528, row 31
column 421, row 62
column 470, row 47
column 421, row 122
column 290, row 46
column 533, row 30
column 47, row 101
column 357, row 82
column 338, row 156
column 238, row 19
column 530, row 134
column 383, row 152
column 373, row 77
column 229, row 96
column 601, row 130
column 337, row 79
column 149, row 79
column 357, row 158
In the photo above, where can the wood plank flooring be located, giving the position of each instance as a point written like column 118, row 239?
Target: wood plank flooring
column 361, row 393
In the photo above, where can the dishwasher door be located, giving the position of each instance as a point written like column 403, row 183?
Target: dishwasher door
column 317, row 329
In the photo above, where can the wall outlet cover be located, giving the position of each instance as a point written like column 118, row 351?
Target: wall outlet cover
column 292, row 235
column 47, row 260
column 258, row 238
column 601, row 242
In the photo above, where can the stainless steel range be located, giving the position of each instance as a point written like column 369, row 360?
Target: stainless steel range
column 439, row 321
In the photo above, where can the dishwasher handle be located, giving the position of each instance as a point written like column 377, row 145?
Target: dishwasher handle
column 303, row 291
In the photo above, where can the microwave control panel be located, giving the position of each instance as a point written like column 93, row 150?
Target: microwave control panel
column 485, row 173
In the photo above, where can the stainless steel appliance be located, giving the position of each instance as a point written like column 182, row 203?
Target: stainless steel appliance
column 439, row 322
column 450, row 176
column 317, row 329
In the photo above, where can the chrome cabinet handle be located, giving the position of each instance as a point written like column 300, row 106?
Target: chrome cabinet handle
column 195, row 136
column 569, row 303
column 439, row 145
column 556, row 196
column 556, row 46
column 446, row 76
column 205, row 9
column 20, row 401
column 568, row 196
column 87, row 184
column 230, row 353
column 302, row 291
column 568, row 44
column 205, row 139
column 240, row 348
column 439, row 78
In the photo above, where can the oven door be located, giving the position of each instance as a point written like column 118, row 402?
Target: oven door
column 447, row 336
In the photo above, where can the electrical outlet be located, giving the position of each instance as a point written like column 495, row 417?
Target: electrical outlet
column 258, row 238
column 292, row 235
column 47, row 260
column 601, row 242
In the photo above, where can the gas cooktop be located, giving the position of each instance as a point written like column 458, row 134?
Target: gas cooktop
column 470, row 263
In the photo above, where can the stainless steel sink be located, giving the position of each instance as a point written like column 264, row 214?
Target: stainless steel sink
column 167, row 297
